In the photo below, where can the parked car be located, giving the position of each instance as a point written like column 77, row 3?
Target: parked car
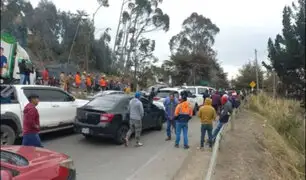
column 107, row 92
column 27, row 162
column 163, row 93
column 107, row 116
column 56, row 109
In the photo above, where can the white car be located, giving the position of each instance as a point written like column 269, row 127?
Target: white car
column 163, row 93
column 57, row 109
column 102, row 93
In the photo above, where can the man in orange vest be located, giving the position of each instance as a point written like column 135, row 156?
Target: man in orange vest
column 103, row 83
column 88, row 83
column 183, row 113
column 77, row 80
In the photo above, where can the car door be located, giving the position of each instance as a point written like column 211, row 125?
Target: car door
column 201, row 91
column 44, row 107
column 191, row 98
column 147, row 113
column 64, row 105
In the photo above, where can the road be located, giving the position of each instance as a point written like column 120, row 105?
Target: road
column 101, row 159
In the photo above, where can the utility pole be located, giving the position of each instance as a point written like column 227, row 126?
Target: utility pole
column 256, row 68
column 74, row 38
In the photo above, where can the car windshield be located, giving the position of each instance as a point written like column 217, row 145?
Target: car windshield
column 164, row 94
column 192, row 90
column 104, row 102
column 14, row 159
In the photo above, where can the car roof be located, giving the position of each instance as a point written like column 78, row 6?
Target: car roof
column 172, row 89
column 19, row 86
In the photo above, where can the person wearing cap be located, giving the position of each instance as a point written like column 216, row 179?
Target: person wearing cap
column 170, row 104
column 136, row 114
column 31, row 124
column 183, row 113
column 3, row 61
column 226, row 111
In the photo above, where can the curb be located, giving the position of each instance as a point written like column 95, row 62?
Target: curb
column 213, row 159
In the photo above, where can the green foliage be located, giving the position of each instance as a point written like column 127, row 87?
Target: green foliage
column 287, row 118
column 287, row 51
column 53, row 33
column 246, row 75
column 133, row 49
column 192, row 56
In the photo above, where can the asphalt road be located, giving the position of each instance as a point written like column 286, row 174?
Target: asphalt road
column 101, row 159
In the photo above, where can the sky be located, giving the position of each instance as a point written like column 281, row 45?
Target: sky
column 245, row 25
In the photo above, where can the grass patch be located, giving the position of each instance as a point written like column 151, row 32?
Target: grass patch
column 284, row 137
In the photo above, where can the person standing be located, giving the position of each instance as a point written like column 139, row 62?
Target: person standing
column 170, row 104
column 22, row 71
column 88, row 83
column 77, row 80
column 136, row 114
column 216, row 101
column 205, row 95
column 207, row 115
column 31, row 124
column 183, row 113
column 3, row 62
column 45, row 76
column 62, row 80
column 103, row 83
column 226, row 111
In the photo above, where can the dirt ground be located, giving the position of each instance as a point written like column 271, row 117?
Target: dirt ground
column 241, row 155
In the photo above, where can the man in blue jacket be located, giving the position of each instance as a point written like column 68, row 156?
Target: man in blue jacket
column 170, row 104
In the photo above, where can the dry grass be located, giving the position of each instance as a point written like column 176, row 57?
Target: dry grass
column 284, row 135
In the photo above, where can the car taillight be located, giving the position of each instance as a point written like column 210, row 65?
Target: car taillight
column 156, row 98
column 68, row 163
column 67, row 170
column 106, row 117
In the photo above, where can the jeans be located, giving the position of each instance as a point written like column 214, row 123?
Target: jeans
column 27, row 79
column 208, row 128
column 170, row 123
column 181, row 126
column 22, row 79
column 31, row 140
column 217, row 130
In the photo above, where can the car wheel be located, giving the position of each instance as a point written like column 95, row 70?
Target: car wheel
column 195, row 109
column 159, row 125
column 121, row 134
column 8, row 135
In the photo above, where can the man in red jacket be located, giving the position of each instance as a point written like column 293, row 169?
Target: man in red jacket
column 31, row 123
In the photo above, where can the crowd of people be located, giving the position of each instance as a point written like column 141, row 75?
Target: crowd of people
column 218, row 105
column 86, row 82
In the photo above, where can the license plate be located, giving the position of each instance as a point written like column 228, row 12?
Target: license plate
column 85, row 130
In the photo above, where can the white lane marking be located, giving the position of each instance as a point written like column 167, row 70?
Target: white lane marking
column 147, row 163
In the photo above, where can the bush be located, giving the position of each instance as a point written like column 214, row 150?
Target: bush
column 286, row 135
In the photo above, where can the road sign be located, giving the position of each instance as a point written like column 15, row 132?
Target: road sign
column 252, row 84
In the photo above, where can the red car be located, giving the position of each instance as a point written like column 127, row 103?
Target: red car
column 31, row 163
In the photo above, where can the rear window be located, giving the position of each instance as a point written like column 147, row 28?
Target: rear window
column 164, row 94
column 14, row 159
column 104, row 102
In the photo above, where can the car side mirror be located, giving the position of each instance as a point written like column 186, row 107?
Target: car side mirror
column 193, row 96
column 70, row 98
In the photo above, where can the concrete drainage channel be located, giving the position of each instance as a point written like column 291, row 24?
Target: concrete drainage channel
column 213, row 159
